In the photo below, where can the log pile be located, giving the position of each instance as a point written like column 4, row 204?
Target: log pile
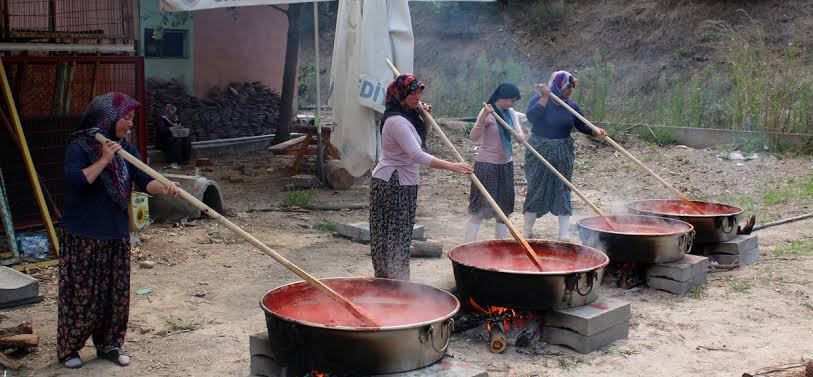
column 21, row 338
column 240, row 109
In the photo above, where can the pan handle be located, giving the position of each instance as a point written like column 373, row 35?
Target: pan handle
column 686, row 241
column 727, row 224
column 591, row 276
column 446, row 331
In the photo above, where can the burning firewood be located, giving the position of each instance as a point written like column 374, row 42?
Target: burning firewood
column 497, row 341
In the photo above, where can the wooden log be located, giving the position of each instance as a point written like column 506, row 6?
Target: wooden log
column 19, row 341
column 426, row 249
column 497, row 341
column 337, row 176
column 24, row 328
column 9, row 362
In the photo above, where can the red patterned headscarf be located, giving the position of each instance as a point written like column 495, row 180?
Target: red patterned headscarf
column 101, row 116
column 397, row 92
column 402, row 87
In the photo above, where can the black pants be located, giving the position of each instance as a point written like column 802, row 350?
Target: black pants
column 178, row 149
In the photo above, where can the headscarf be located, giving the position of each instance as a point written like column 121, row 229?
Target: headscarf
column 397, row 93
column 559, row 81
column 505, row 91
column 101, row 116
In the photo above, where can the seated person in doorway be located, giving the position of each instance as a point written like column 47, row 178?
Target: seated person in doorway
column 176, row 149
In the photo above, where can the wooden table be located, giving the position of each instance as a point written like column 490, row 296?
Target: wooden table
column 305, row 145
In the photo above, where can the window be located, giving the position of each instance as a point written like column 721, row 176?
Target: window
column 173, row 44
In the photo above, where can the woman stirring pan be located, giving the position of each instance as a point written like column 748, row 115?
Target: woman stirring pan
column 394, row 186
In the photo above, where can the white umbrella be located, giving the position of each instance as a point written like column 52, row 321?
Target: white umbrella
column 367, row 32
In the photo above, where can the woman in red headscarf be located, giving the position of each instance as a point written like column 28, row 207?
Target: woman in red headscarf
column 394, row 186
column 94, row 253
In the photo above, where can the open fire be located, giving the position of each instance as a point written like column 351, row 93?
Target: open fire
column 505, row 326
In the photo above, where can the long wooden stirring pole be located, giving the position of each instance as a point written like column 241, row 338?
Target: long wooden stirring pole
column 629, row 155
column 357, row 311
column 553, row 169
column 517, row 236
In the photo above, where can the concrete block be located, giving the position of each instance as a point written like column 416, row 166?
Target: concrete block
column 25, row 301
column 361, row 231
column 737, row 246
column 584, row 343
column 592, row 318
column 682, row 270
column 258, row 345
column 749, row 257
column 17, row 286
column 677, row 287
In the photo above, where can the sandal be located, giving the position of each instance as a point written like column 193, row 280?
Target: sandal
column 115, row 355
column 73, row 361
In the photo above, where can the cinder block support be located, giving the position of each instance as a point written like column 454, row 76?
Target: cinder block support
column 746, row 258
column 589, row 327
column 674, row 286
column 360, row 231
column 584, row 343
column 737, row 246
column 682, row 270
column 592, row 318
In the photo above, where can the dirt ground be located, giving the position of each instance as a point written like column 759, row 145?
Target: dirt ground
column 206, row 283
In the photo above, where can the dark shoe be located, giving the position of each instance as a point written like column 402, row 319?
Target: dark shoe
column 115, row 355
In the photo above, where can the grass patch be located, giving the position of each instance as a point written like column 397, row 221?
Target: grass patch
column 739, row 286
column 177, row 324
column 569, row 363
column 808, row 305
column 803, row 247
column 325, row 227
column 791, row 191
column 656, row 135
column 297, row 198
column 697, row 293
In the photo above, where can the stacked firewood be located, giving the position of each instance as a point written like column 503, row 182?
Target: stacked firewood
column 239, row 109
column 20, row 338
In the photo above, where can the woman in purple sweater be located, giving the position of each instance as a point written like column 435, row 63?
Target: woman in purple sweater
column 394, row 186
column 550, row 136
column 494, row 164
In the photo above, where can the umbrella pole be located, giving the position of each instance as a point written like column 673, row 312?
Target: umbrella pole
column 320, row 152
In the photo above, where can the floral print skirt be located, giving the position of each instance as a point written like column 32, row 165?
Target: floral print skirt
column 94, row 293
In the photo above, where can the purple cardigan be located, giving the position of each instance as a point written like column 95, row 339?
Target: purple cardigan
column 401, row 151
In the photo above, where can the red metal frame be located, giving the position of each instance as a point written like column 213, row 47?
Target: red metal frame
column 139, row 91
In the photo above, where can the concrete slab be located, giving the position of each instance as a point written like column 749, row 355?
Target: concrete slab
column 583, row 343
column 682, row 270
column 264, row 365
column 17, row 286
column 360, row 231
column 25, row 301
column 590, row 319
column 749, row 257
column 739, row 245
column 676, row 287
